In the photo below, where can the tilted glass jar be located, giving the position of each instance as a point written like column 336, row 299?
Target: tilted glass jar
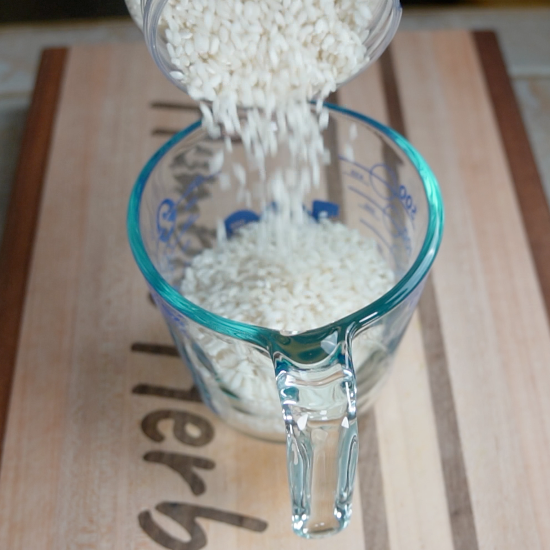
column 148, row 16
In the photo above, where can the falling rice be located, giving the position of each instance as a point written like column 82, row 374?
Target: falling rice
column 273, row 57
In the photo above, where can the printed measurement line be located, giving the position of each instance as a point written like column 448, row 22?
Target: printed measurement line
column 191, row 204
column 366, row 197
column 188, row 223
column 402, row 232
column 199, row 180
column 355, row 176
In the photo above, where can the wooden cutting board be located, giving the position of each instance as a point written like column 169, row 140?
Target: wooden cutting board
column 95, row 454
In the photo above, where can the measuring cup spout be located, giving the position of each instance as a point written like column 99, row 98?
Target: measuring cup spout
column 317, row 389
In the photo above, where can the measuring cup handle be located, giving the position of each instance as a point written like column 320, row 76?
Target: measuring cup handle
column 319, row 408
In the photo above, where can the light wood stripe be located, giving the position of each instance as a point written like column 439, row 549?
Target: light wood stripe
column 414, row 487
column 415, row 507
column 493, row 322
column 74, row 473
column 375, row 523
column 369, row 470
column 452, row 460
column 526, row 178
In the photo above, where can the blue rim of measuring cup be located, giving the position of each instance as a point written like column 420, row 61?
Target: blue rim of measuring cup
column 262, row 336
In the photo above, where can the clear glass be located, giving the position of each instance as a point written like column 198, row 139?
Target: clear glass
column 321, row 378
column 147, row 15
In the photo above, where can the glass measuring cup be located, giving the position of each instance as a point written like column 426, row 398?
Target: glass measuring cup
column 320, row 378
column 148, row 16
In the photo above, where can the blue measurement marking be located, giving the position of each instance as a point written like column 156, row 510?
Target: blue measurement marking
column 186, row 245
column 330, row 209
column 167, row 213
column 189, row 222
column 392, row 186
column 370, row 210
column 400, row 231
column 166, row 218
column 367, row 198
column 355, row 175
column 394, row 189
column 192, row 186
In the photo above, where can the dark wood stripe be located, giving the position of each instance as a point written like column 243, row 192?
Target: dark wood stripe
column 335, row 190
column 155, row 349
column 375, row 524
column 448, row 435
column 373, row 506
column 175, row 106
column 17, row 244
column 521, row 161
column 391, row 92
column 450, row 448
column 164, row 132
column 395, row 120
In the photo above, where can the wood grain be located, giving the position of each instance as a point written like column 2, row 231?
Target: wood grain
column 528, row 185
column 404, row 515
column 366, row 94
column 107, row 445
column 493, row 321
column 457, row 489
column 97, row 448
column 414, row 487
column 17, row 243
column 452, row 460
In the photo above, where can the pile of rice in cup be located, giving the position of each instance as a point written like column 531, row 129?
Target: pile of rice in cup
column 273, row 57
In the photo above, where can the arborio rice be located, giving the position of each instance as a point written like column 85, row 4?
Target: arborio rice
column 273, row 57
column 328, row 272
column 264, row 49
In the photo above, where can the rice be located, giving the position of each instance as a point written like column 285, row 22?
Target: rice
column 329, row 271
column 286, row 272
column 273, row 57
column 266, row 49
